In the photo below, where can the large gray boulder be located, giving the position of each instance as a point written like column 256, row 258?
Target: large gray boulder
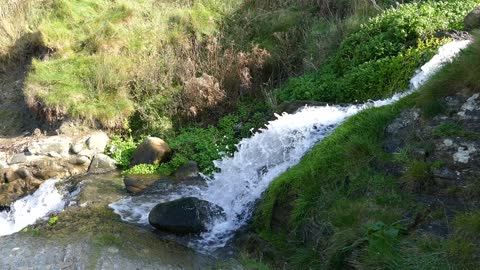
column 472, row 20
column 101, row 164
column 184, row 216
column 151, row 151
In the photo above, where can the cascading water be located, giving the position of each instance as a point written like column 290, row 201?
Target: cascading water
column 26, row 211
column 264, row 156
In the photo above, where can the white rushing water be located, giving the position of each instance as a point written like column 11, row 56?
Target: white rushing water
column 26, row 211
column 263, row 157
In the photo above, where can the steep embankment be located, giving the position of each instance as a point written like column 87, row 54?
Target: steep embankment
column 392, row 188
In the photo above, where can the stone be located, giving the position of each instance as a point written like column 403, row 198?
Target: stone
column 463, row 153
column 151, row 151
column 469, row 106
column 401, row 129
column 18, row 158
column 54, row 154
column 184, row 216
column 10, row 175
column 23, row 173
column 472, row 20
column 101, row 164
column 138, row 183
column 97, row 142
column 87, row 153
column 188, row 170
column 78, row 160
column 3, row 160
column 76, row 148
column 56, row 144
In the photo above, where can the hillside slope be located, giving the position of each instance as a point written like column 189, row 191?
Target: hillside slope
column 392, row 188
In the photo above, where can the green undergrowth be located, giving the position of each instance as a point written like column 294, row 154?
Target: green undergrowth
column 107, row 61
column 380, row 58
column 347, row 212
column 200, row 144
column 102, row 58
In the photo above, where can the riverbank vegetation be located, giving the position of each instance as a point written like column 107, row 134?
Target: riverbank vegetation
column 342, row 207
column 157, row 66
column 202, row 74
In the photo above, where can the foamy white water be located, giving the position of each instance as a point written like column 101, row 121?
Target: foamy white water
column 263, row 157
column 26, row 211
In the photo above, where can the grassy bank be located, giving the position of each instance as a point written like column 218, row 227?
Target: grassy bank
column 156, row 66
column 340, row 207
column 380, row 58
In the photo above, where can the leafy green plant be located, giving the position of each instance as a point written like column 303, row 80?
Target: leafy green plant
column 121, row 150
column 52, row 221
column 380, row 58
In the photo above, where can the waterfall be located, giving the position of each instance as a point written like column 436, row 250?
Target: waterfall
column 26, row 211
column 243, row 178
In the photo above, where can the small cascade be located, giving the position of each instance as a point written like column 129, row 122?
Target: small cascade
column 26, row 211
column 260, row 159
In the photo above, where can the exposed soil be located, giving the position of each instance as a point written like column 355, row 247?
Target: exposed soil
column 15, row 116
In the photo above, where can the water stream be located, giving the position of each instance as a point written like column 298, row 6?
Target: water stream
column 242, row 178
column 268, row 153
column 26, row 211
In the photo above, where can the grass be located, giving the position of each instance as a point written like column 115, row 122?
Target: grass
column 349, row 213
column 380, row 58
column 103, row 52
column 462, row 74
column 107, row 61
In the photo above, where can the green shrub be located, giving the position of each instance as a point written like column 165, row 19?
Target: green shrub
column 52, row 221
column 201, row 144
column 380, row 58
column 121, row 150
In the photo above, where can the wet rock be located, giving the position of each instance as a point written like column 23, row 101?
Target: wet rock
column 151, row 151
column 184, row 216
column 472, row 20
column 101, row 164
column 188, row 170
column 138, row 183
column 97, row 142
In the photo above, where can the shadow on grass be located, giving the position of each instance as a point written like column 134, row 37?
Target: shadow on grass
column 16, row 118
